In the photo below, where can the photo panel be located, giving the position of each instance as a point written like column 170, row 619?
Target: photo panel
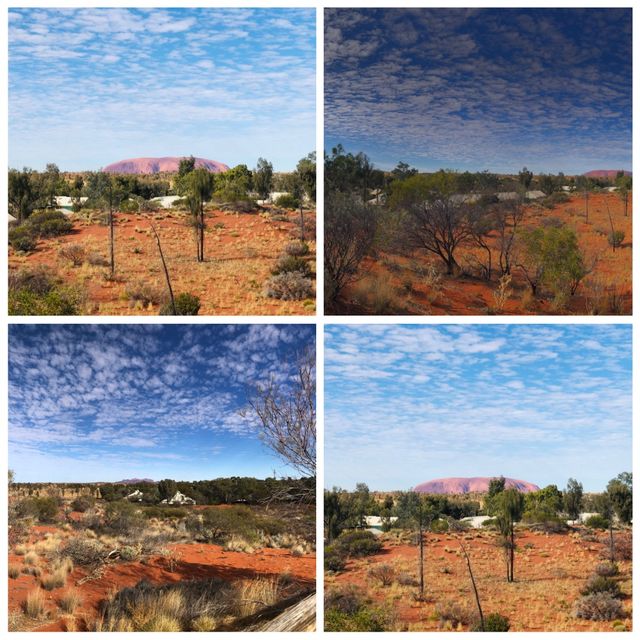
column 162, row 477
column 478, row 161
column 162, row 161
column 478, row 477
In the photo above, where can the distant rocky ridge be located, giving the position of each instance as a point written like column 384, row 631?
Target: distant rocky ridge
column 609, row 174
column 454, row 486
column 168, row 164
column 136, row 481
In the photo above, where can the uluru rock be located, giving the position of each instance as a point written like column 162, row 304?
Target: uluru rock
column 168, row 164
column 452, row 486
column 608, row 174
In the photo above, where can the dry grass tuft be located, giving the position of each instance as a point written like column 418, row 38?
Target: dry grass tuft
column 54, row 580
column 70, row 600
column 34, row 604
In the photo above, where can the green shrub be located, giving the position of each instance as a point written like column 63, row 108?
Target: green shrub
column 22, row 238
column 597, row 522
column 290, row 264
column 171, row 513
column 186, row 305
column 365, row 619
column 452, row 613
column 74, row 253
column 143, row 293
column 493, row 622
column 83, row 503
column 616, row 238
column 601, row 584
column 289, row 286
column 48, row 224
column 287, row 201
column 43, row 509
column 218, row 525
column 598, row 606
column 123, row 518
column 36, row 292
column 383, row 572
column 129, row 205
column 128, row 553
column 83, row 551
column 439, row 526
column 358, row 544
column 335, row 559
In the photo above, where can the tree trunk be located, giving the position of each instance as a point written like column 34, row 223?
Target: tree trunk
column 511, row 554
column 421, row 561
column 111, row 241
column 201, row 251
column 612, row 551
column 166, row 271
column 301, row 224
column 473, row 584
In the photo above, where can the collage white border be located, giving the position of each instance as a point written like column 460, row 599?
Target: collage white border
column 320, row 319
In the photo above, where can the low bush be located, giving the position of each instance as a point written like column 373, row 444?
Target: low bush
column 96, row 259
column 607, row 569
column 407, row 580
column 44, row 509
column 297, row 248
column 83, row 503
column 73, row 253
column 367, row 618
column 385, row 573
column 598, row 606
column 289, row 286
column 493, row 622
column 601, row 584
column 290, row 264
column 70, row 600
column 597, row 522
column 616, row 238
column 218, row 525
column 622, row 548
column 83, row 551
column 143, row 293
column 287, row 201
column 54, row 580
column 358, row 544
column 165, row 513
column 186, row 305
column 36, row 292
column 14, row 571
column 452, row 614
column 48, row 224
column 439, row 526
column 335, row 559
column 123, row 518
column 22, row 238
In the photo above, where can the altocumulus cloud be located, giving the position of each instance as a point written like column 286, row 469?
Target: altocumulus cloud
column 407, row 403
column 88, row 87
column 481, row 89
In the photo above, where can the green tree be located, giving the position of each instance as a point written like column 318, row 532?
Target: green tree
column 402, row 171
column 421, row 511
column 496, row 487
column 525, row 177
column 167, row 489
column 573, row 496
column 336, row 514
column 263, row 178
column 510, row 506
column 23, row 193
column 306, row 174
column 50, row 184
column 624, row 182
column 201, row 184
column 547, row 183
column 620, row 492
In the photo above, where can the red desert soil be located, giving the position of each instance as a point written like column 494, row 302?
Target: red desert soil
column 188, row 561
column 240, row 251
column 550, row 570
column 468, row 295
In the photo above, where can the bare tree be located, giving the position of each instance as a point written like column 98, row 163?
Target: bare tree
column 287, row 416
column 166, row 271
column 350, row 228
column 439, row 226
column 509, row 215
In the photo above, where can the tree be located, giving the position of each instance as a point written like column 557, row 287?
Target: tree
column 50, row 184
column 263, row 178
column 620, row 493
column 336, row 514
column 352, row 174
column 573, row 495
column 286, row 415
column 185, row 168
column 306, row 173
column 496, row 487
column 421, row 511
column 167, row 489
column 439, row 227
column 23, row 193
column 403, row 171
column 350, row 228
column 509, row 215
column 525, row 177
column 585, row 185
column 201, row 185
column 235, row 183
column 510, row 505
column 547, row 183
column 623, row 182
column 361, row 502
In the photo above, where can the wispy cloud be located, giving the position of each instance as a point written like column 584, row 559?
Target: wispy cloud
column 481, row 88
column 90, row 86
column 541, row 402
column 142, row 393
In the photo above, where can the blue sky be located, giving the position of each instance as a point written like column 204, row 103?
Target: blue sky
column 475, row 89
column 88, row 87
column 107, row 402
column 405, row 404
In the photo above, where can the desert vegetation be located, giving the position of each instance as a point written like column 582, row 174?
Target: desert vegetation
column 111, row 557
column 404, row 242
column 546, row 560
column 237, row 242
